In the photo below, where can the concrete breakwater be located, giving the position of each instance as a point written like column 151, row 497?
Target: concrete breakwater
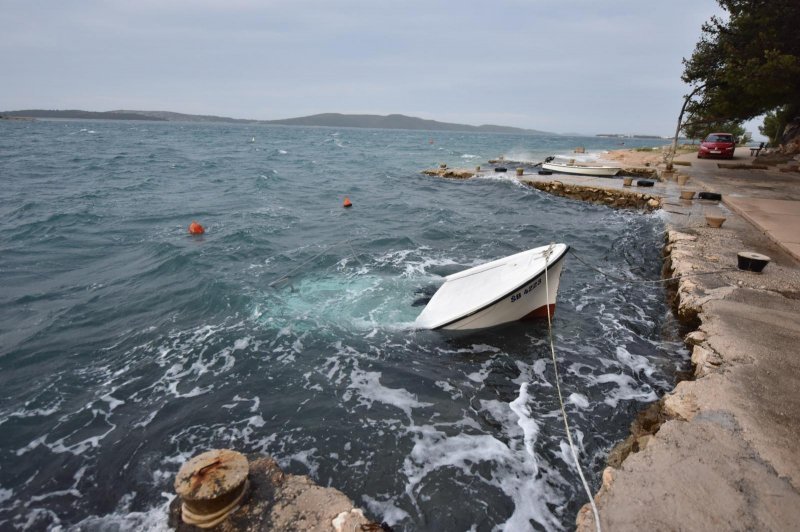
column 604, row 191
column 466, row 173
column 611, row 197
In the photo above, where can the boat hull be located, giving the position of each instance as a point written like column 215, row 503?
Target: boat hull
column 529, row 299
column 597, row 171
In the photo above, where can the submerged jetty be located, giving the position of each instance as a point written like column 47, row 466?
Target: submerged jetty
column 613, row 192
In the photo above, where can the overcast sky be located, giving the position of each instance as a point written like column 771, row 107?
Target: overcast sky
column 587, row 66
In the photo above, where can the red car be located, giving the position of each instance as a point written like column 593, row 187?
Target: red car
column 717, row 145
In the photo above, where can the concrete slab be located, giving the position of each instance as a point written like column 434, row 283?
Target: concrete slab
column 778, row 219
column 793, row 249
column 771, row 206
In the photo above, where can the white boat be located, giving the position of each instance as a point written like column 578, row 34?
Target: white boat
column 579, row 169
column 501, row 291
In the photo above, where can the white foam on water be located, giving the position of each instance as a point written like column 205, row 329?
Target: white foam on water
column 147, row 420
column 45, row 411
column 152, row 520
column 469, row 156
column 242, row 343
column 71, row 491
column 627, row 389
column 367, row 388
column 45, row 515
column 412, row 262
column 637, row 363
column 521, row 156
column 539, row 368
column 112, row 402
column 61, row 446
column 5, row 495
column 526, row 422
column 504, row 177
column 579, row 400
column 389, row 513
column 512, row 471
column 454, row 392
column 305, row 457
column 480, row 375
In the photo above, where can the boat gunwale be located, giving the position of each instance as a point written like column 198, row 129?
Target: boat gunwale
column 567, row 165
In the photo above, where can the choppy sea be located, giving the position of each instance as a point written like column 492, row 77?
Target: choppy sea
column 127, row 345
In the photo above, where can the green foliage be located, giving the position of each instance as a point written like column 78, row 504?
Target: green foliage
column 697, row 128
column 774, row 123
column 748, row 63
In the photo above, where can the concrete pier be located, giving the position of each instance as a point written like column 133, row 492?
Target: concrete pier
column 609, row 191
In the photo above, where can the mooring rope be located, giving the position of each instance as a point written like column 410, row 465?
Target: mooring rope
column 288, row 274
column 648, row 281
column 561, row 397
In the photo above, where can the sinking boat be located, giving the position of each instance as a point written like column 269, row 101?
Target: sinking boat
column 581, row 169
column 513, row 288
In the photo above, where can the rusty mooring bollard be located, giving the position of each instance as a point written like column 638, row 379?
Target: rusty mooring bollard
column 211, row 485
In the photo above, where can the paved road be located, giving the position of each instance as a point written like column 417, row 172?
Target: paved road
column 768, row 199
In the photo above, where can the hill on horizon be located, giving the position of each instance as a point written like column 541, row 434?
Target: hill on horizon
column 397, row 121
column 392, row 121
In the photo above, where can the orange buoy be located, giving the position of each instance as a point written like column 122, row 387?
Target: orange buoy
column 196, row 229
column 347, row 202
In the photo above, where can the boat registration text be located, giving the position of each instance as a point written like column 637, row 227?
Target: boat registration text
column 528, row 289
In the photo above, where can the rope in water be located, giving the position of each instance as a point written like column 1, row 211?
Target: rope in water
column 648, row 281
column 561, row 397
column 290, row 272
column 287, row 275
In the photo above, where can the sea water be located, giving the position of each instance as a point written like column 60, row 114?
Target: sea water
column 128, row 345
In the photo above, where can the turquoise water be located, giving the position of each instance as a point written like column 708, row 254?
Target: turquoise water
column 127, row 345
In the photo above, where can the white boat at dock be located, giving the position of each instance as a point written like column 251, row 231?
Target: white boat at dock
column 581, row 169
column 509, row 289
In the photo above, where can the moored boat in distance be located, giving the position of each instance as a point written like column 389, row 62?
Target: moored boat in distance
column 513, row 288
column 581, row 169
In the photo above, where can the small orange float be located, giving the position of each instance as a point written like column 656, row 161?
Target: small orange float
column 347, row 202
column 196, row 229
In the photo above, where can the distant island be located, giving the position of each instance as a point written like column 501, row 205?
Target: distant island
column 76, row 114
column 393, row 121
column 624, row 136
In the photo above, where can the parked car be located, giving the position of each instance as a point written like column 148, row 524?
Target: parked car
column 717, row 145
